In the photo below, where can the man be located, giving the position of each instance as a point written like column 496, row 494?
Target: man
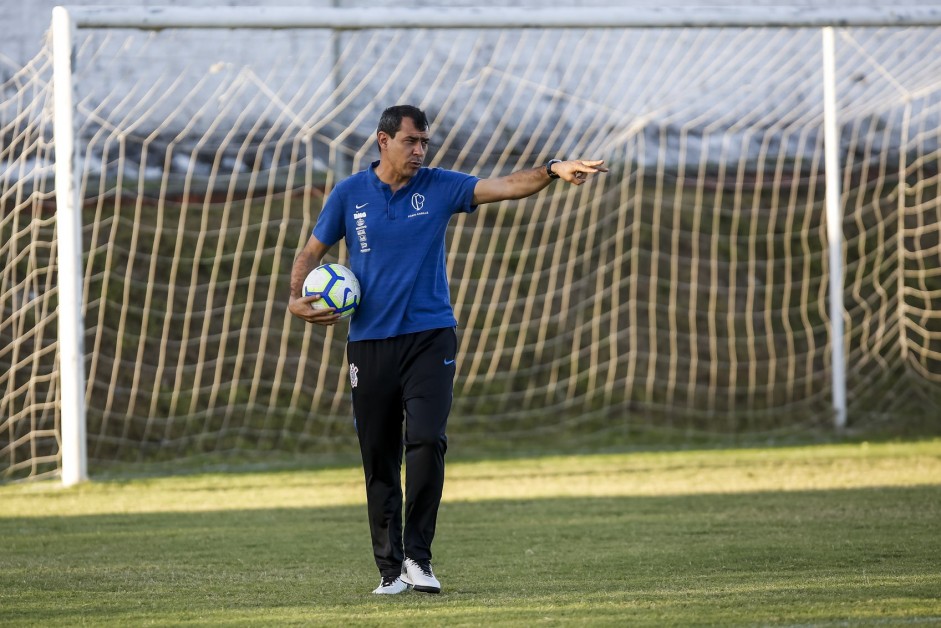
column 402, row 340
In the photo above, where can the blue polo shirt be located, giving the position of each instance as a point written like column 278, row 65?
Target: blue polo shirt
column 397, row 245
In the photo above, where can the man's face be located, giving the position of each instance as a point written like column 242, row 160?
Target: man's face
column 405, row 153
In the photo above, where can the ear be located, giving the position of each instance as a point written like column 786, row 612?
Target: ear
column 383, row 138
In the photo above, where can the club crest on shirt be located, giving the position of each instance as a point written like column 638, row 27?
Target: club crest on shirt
column 418, row 205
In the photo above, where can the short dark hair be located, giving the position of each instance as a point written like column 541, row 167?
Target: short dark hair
column 391, row 120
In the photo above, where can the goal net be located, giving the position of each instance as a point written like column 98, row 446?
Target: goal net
column 684, row 295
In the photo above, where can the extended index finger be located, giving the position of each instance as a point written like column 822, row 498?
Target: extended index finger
column 596, row 165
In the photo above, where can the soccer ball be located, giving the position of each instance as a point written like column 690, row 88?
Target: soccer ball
column 337, row 286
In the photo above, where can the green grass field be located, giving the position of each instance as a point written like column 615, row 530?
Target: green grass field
column 829, row 535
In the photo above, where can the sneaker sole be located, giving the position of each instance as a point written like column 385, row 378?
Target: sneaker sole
column 426, row 589
column 405, row 590
column 408, row 586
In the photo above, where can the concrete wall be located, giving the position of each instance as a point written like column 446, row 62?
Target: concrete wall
column 24, row 22
column 151, row 122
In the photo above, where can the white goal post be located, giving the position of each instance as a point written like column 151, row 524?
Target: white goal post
column 68, row 177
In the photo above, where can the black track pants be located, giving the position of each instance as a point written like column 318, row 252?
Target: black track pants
column 407, row 378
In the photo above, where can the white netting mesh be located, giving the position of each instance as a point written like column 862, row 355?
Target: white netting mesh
column 28, row 384
column 685, row 292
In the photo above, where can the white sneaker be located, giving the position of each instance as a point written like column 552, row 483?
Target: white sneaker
column 418, row 574
column 390, row 585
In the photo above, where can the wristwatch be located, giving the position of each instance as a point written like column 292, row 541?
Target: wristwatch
column 549, row 165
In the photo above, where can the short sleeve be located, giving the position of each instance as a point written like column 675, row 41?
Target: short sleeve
column 460, row 188
column 468, row 194
column 331, row 224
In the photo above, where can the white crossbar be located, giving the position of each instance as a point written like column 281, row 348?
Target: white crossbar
column 151, row 18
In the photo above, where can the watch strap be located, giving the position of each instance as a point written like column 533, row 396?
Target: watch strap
column 549, row 165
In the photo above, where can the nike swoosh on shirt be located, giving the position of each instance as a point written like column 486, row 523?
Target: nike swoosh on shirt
column 362, row 206
column 448, row 362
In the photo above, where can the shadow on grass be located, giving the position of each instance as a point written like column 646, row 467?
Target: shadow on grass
column 859, row 556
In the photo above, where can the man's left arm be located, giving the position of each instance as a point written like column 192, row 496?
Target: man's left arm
column 523, row 183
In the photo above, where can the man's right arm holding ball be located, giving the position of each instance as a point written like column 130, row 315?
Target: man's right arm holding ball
column 310, row 257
